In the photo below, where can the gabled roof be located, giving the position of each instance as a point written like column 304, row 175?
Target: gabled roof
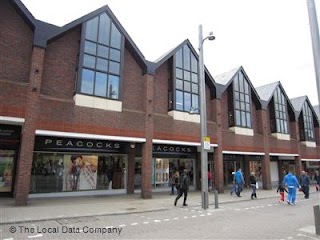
column 298, row 104
column 24, row 13
column 225, row 79
column 46, row 33
column 266, row 92
column 165, row 57
column 317, row 111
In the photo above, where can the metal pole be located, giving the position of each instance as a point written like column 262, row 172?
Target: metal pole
column 314, row 29
column 203, row 123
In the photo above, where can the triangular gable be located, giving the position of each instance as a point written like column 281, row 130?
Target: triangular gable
column 24, row 13
column 165, row 57
column 227, row 78
column 298, row 104
column 266, row 93
column 317, row 110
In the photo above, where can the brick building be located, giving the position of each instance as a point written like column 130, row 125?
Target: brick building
column 83, row 112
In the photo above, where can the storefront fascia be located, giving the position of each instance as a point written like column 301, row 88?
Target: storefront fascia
column 10, row 137
column 168, row 156
column 279, row 163
column 102, row 164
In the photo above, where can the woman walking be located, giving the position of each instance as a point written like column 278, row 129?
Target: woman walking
column 253, row 183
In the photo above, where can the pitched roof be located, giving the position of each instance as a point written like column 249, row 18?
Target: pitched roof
column 266, row 91
column 317, row 110
column 298, row 103
column 226, row 77
column 46, row 33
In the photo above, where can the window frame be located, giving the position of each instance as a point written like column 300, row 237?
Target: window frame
column 109, row 59
column 307, row 125
column 280, row 115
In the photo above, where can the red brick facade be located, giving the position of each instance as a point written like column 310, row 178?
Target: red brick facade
column 38, row 84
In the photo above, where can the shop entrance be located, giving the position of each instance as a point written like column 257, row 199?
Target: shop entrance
column 229, row 168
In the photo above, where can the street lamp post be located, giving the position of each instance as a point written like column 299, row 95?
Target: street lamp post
column 203, row 122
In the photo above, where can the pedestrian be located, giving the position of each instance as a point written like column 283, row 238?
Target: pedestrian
column 291, row 181
column 175, row 182
column 184, row 187
column 253, row 183
column 317, row 180
column 209, row 180
column 239, row 180
column 281, row 189
column 305, row 184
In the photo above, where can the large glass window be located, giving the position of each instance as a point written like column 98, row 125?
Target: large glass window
column 101, row 58
column 280, row 106
column 186, row 80
column 59, row 172
column 242, row 101
column 308, row 127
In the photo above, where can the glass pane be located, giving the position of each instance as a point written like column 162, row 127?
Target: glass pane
column 237, row 105
column 100, row 88
column 115, row 55
column 186, row 75
column 246, row 87
column 194, row 63
column 285, row 127
column 195, row 101
column 104, row 29
column 195, row 88
column 241, row 97
column 103, row 51
column 179, row 73
column 238, row 118
column 187, row 102
column 114, row 67
column 92, row 29
column 236, row 85
column 241, row 86
column 186, row 57
column 236, row 96
column 102, row 64
column 179, row 100
column 113, row 87
column 247, row 98
column 243, row 119
column 278, row 125
column 179, row 84
column 179, row 58
column 87, row 81
column 115, row 37
column 90, row 47
column 248, row 107
column 187, row 86
column 89, row 61
column 194, row 77
column 248, row 119
column 242, row 106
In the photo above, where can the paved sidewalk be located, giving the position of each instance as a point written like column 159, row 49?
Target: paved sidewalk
column 69, row 207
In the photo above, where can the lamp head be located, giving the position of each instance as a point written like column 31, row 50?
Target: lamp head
column 211, row 37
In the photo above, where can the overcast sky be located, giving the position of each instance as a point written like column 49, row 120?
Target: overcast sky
column 270, row 38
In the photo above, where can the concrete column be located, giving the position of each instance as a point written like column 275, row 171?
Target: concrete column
column 146, row 184
column 24, row 165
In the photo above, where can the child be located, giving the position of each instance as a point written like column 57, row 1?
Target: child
column 281, row 189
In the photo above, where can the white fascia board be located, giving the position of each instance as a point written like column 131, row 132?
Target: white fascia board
column 159, row 141
column 88, row 136
column 284, row 154
column 11, row 120
column 243, row 153
column 310, row 160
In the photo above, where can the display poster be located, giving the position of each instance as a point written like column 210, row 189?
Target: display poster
column 80, row 172
column 6, row 170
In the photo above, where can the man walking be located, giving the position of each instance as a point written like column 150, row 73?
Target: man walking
column 239, row 180
column 184, row 187
column 292, row 182
column 305, row 184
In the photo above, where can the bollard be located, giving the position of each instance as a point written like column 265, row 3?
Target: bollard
column 316, row 211
column 216, row 203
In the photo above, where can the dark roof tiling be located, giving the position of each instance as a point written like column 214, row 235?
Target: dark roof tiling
column 226, row 77
column 298, row 103
column 266, row 91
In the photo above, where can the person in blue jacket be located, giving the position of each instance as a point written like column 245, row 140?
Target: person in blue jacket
column 239, row 180
column 292, row 182
column 305, row 184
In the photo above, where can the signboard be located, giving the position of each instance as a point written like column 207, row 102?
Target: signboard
column 9, row 132
column 206, row 143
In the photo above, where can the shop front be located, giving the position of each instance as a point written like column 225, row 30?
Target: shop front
column 280, row 165
column 73, row 164
column 166, row 160
column 9, row 146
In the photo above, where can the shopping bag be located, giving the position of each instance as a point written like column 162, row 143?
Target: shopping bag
column 257, row 185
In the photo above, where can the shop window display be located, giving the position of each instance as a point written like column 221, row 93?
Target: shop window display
column 6, row 170
column 57, row 172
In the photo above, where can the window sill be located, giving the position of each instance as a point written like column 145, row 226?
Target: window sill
column 96, row 102
column 309, row 144
column 242, row 131
column 184, row 116
column 281, row 136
